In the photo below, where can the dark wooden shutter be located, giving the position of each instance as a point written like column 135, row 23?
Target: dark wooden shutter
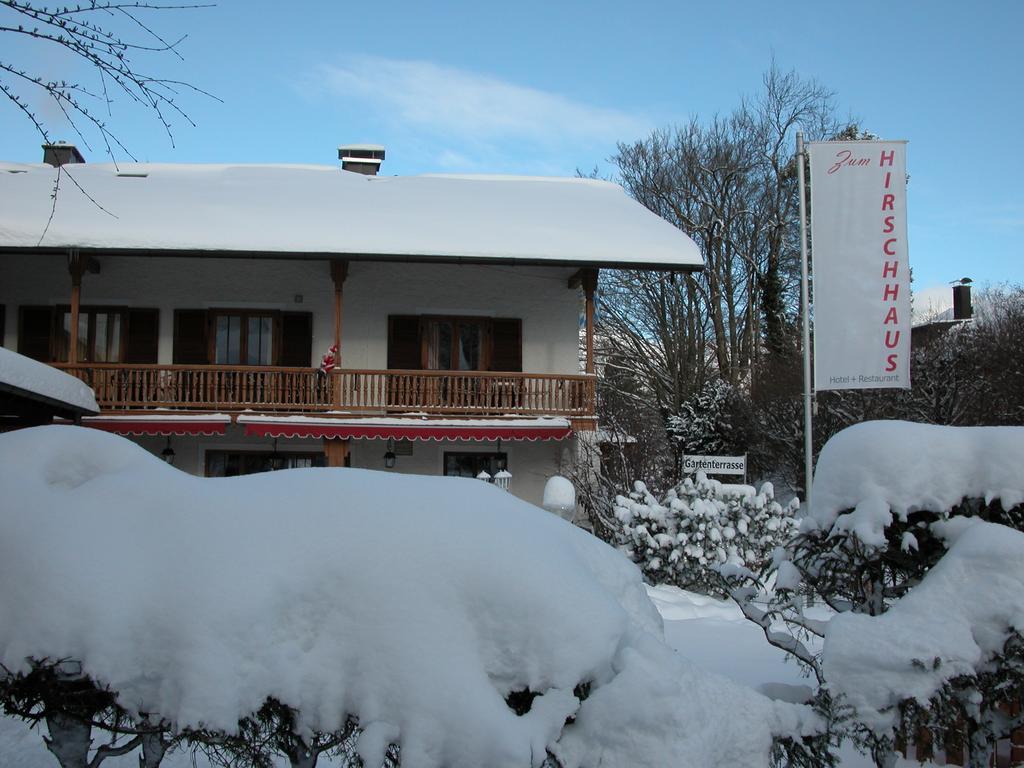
column 190, row 337
column 507, row 345
column 296, row 339
column 34, row 327
column 404, row 342
column 143, row 336
column 3, row 321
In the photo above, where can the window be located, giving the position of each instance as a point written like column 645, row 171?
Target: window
column 472, row 464
column 105, row 334
column 233, row 463
column 454, row 343
column 100, row 335
column 243, row 338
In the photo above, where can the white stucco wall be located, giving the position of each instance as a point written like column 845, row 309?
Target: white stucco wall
column 538, row 295
column 531, row 463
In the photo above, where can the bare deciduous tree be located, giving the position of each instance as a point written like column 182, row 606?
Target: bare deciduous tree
column 729, row 183
column 116, row 40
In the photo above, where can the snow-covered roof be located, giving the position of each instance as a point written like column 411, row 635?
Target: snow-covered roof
column 27, row 378
column 301, row 210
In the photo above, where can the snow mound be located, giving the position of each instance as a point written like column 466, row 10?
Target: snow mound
column 416, row 604
column 881, row 468
column 958, row 616
column 559, row 495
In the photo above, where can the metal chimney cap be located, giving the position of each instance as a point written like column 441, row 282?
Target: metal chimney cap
column 361, row 152
column 61, row 153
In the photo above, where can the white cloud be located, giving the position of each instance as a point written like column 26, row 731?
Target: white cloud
column 455, row 103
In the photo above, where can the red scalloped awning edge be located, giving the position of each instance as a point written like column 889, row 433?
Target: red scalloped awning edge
column 159, row 428
column 398, row 432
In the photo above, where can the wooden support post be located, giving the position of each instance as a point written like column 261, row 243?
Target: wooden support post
column 339, row 271
column 336, row 451
column 589, row 280
column 76, row 267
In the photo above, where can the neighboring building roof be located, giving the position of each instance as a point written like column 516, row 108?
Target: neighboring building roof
column 25, row 380
column 277, row 210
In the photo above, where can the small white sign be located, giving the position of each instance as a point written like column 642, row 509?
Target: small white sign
column 716, row 465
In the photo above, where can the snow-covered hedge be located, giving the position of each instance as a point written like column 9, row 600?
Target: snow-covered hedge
column 701, row 524
column 441, row 614
column 911, row 542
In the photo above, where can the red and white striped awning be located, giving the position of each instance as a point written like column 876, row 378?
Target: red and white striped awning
column 164, row 425
column 407, row 428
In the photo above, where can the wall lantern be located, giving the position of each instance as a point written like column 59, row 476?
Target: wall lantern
column 389, row 457
column 276, row 460
column 167, row 454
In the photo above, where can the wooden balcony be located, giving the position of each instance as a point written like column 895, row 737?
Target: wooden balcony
column 307, row 390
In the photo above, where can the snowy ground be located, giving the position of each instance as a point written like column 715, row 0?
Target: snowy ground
column 708, row 632
column 715, row 636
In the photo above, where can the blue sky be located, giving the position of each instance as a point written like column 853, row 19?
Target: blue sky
column 549, row 87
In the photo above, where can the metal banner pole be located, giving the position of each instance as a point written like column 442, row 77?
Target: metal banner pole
column 805, row 306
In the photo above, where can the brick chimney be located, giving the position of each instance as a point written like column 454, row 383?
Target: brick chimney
column 962, row 309
column 361, row 158
column 61, row 153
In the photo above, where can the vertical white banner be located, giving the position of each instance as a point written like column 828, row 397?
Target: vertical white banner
column 859, row 257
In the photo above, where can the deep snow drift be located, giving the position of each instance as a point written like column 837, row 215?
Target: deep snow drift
column 881, row 468
column 960, row 615
column 415, row 603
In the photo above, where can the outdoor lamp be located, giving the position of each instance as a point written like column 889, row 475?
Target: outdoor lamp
column 167, row 454
column 389, row 457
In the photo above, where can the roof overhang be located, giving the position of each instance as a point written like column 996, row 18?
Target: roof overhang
column 398, row 258
column 31, row 388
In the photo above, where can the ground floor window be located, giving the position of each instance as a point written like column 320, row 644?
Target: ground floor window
column 232, row 463
column 472, row 464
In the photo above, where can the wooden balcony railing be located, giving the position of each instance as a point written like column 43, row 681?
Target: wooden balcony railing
column 239, row 387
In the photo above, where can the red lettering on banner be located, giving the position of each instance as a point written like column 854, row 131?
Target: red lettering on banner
column 890, row 267
column 845, row 157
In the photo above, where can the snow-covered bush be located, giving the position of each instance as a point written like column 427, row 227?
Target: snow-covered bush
column 925, row 633
column 448, row 619
column 701, row 524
